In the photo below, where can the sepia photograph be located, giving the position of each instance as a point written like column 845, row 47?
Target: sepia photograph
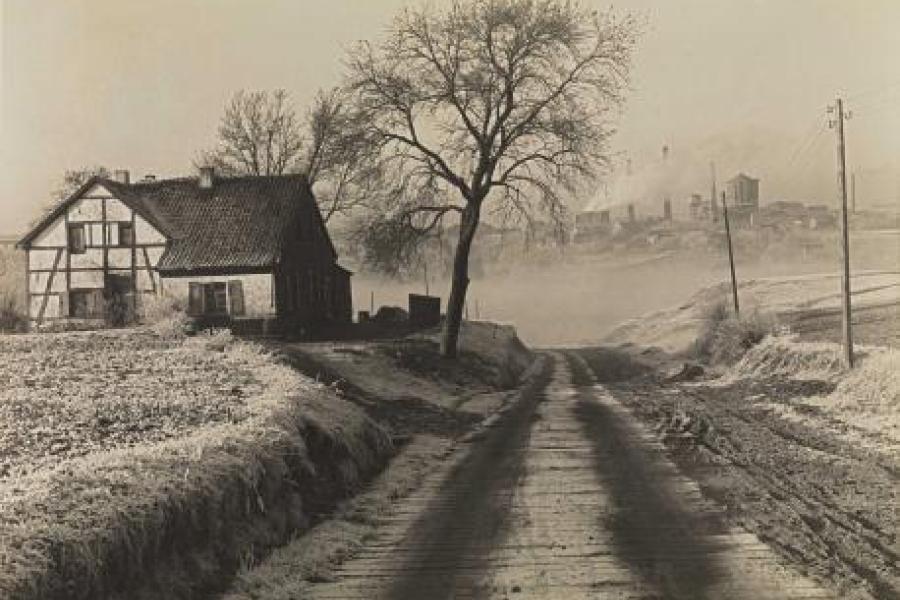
column 449, row 299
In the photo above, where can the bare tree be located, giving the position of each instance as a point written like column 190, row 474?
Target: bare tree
column 342, row 162
column 259, row 134
column 496, row 104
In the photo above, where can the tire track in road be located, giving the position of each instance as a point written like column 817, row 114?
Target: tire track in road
column 676, row 540
column 671, row 547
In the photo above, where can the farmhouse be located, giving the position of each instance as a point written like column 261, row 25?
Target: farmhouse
column 242, row 251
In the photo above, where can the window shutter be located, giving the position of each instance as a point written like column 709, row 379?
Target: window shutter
column 126, row 234
column 96, row 304
column 76, row 239
column 236, row 294
column 195, row 298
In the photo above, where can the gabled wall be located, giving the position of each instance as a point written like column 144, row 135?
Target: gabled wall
column 54, row 272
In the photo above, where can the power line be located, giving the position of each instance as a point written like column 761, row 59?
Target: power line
column 877, row 90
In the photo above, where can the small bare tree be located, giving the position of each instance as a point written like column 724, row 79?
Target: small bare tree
column 488, row 103
column 75, row 178
column 70, row 182
column 259, row 134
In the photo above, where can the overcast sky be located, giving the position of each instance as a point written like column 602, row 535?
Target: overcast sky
column 141, row 84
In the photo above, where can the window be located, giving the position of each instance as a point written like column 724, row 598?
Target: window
column 126, row 234
column 85, row 304
column 209, row 299
column 77, row 242
column 195, row 298
column 215, row 299
column 236, row 298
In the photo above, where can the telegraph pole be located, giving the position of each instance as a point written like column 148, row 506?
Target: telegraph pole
column 734, row 293
column 846, row 326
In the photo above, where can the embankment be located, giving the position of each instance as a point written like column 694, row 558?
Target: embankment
column 177, row 518
column 182, row 462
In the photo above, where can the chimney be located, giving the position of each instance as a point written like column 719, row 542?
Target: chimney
column 122, row 176
column 667, row 209
column 206, row 177
column 631, row 215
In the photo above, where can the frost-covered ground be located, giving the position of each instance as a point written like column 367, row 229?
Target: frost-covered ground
column 66, row 395
column 807, row 304
column 802, row 451
column 140, row 459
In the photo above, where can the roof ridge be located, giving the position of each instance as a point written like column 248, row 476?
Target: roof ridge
column 190, row 178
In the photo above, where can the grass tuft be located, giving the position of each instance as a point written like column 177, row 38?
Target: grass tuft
column 724, row 338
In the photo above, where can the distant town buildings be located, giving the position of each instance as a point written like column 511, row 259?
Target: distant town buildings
column 742, row 198
column 698, row 208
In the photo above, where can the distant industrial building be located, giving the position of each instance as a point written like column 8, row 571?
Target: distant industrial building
column 698, row 208
column 742, row 198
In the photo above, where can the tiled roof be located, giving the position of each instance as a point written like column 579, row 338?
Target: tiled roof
column 238, row 223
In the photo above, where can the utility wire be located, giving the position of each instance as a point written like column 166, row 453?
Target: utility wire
column 878, row 90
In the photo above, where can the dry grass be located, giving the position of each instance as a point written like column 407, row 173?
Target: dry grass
column 12, row 292
column 866, row 398
column 724, row 338
column 154, row 467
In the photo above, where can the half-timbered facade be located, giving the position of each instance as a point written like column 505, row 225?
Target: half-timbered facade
column 231, row 249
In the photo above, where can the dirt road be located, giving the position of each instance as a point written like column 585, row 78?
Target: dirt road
column 567, row 496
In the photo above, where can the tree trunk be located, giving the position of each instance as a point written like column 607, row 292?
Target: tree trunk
column 460, row 282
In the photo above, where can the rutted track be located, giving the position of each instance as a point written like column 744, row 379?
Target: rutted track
column 566, row 497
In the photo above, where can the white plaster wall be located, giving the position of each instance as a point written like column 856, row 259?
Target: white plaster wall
column 43, row 259
column 119, row 258
column 154, row 254
column 53, row 310
column 95, row 235
column 37, row 282
column 98, row 190
column 86, row 279
column 144, row 282
column 145, row 233
column 92, row 258
column 53, row 235
column 117, row 211
column 86, row 209
column 257, row 290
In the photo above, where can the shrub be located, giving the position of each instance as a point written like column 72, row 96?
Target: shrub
column 12, row 317
column 154, row 308
column 724, row 339
column 165, row 315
